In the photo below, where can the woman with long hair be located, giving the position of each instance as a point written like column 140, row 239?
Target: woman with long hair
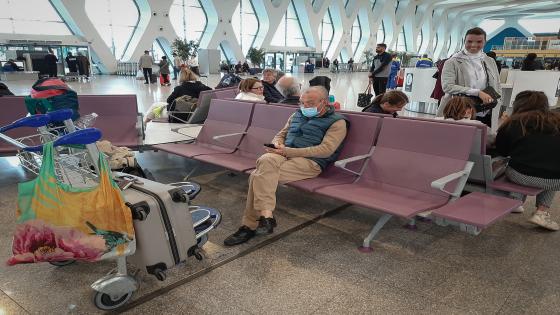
column 388, row 103
column 531, row 138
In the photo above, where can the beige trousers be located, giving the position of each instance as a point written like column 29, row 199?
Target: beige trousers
column 263, row 182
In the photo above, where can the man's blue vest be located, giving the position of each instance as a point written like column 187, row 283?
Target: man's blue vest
column 307, row 132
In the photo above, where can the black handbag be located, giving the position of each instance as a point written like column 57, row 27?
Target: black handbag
column 477, row 101
column 365, row 98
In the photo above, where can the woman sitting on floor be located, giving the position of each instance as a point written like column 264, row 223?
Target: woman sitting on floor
column 251, row 89
column 531, row 138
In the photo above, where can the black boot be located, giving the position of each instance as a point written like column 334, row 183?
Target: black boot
column 266, row 225
column 241, row 236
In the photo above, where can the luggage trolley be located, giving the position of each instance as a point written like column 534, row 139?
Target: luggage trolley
column 76, row 164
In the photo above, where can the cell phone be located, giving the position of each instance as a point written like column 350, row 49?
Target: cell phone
column 270, row 145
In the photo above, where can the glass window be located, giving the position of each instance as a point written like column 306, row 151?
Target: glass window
column 356, row 35
column 540, row 25
column 490, row 25
column 372, row 2
column 188, row 19
column 401, row 41
column 381, row 33
column 326, row 31
column 15, row 18
column 157, row 51
column 245, row 25
column 115, row 20
column 289, row 31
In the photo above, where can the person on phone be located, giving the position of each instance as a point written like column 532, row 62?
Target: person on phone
column 309, row 142
column 470, row 72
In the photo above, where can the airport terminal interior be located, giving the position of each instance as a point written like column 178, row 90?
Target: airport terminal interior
column 190, row 157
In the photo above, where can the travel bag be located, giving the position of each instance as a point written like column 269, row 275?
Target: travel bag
column 162, row 221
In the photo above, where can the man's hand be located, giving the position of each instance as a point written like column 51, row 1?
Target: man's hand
column 279, row 150
column 486, row 99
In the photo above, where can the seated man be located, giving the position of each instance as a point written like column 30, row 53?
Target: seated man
column 291, row 90
column 311, row 140
column 271, row 94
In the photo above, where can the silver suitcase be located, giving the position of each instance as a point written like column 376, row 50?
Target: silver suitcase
column 162, row 222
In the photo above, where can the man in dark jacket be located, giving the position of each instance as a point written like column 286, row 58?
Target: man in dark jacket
column 380, row 69
column 271, row 94
column 50, row 63
column 72, row 62
column 291, row 90
column 83, row 64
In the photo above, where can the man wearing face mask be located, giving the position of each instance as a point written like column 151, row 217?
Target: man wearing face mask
column 469, row 72
column 380, row 69
column 310, row 141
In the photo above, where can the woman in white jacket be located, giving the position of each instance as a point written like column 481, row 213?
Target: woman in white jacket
column 469, row 72
column 251, row 89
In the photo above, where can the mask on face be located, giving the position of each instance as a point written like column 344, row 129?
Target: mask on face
column 309, row 112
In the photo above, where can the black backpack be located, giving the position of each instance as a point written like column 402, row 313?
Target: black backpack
column 229, row 80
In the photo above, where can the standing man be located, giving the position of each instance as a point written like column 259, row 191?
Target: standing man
column 72, row 62
column 379, row 72
column 145, row 64
column 50, row 63
column 335, row 64
column 83, row 65
column 176, row 65
column 351, row 64
column 424, row 62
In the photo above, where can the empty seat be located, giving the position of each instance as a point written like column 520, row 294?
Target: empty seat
column 408, row 157
column 224, row 117
column 362, row 133
column 266, row 122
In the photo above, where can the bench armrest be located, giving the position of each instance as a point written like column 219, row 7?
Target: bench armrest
column 342, row 163
column 441, row 182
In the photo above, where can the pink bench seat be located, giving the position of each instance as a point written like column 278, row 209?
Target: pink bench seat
column 504, row 184
column 477, row 209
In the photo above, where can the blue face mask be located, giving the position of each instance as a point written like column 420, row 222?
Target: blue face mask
column 309, row 112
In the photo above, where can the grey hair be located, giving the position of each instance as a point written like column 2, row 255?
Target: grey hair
column 323, row 93
column 293, row 89
column 269, row 70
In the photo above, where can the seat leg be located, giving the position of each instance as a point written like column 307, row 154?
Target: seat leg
column 366, row 246
column 411, row 225
column 186, row 178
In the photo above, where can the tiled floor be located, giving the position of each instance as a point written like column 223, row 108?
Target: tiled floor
column 305, row 266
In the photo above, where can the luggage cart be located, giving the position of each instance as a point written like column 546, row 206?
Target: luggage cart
column 76, row 164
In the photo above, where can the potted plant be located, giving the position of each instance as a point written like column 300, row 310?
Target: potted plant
column 185, row 49
column 256, row 56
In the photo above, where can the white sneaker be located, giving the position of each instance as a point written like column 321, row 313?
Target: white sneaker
column 519, row 209
column 542, row 218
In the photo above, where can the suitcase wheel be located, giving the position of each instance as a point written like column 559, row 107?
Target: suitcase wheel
column 160, row 274
column 106, row 302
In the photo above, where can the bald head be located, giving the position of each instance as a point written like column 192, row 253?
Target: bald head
column 288, row 86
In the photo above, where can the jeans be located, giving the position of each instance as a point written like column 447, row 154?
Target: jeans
column 147, row 74
column 175, row 72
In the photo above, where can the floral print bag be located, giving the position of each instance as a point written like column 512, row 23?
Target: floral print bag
column 57, row 222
